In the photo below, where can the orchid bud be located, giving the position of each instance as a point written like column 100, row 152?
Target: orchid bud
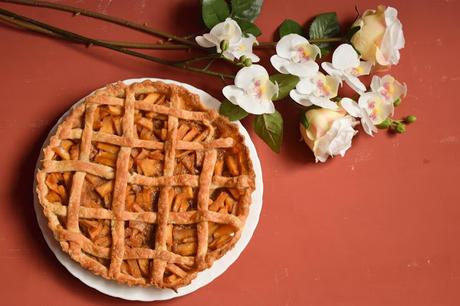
column 400, row 128
column 247, row 62
column 224, row 45
column 410, row 119
column 384, row 124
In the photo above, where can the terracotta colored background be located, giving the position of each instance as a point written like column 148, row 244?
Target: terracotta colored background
column 379, row 227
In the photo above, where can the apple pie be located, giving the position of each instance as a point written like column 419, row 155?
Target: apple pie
column 144, row 185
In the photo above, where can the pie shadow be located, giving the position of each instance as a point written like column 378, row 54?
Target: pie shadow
column 22, row 203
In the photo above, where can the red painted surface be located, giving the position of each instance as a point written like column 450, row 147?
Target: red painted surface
column 379, row 227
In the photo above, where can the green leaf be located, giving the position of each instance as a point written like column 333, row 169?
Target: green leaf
column 214, row 12
column 246, row 9
column 231, row 111
column 290, row 26
column 286, row 82
column 248, row 27
column 269, row 127
column 352, row 31
column 304, row 120
column 325, row 26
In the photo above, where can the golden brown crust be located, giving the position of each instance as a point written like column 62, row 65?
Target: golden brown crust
column 144, row 185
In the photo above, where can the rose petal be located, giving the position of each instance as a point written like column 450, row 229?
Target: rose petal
column 337, row 140
column 391, row 15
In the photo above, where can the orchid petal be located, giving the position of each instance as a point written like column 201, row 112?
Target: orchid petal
column 351, row 107
column 367, row 124
column 250, row 104
column 299, row 98
column 271, row 90
column 245, row 76
column 355, row 83
column 375, row 106
column 228, row 30
column 333, row 84
column 244, row 48
column 345, row 57
column 287, row 43
column 232, row 93
column 305, row 69
column 323, row 102
column 329, row 68
column 213, row 39
column 279, row 63
column 364, row 68
column 376, row 83
column 305, row 86
column 200, row 40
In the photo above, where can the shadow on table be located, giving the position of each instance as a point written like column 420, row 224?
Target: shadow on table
column 22, row 199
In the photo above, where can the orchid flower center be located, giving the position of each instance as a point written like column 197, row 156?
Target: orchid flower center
column 323, row 87
column 258, row 88
column 303, row 53
column 357, row 71
column 374, row 109
column 387, row 90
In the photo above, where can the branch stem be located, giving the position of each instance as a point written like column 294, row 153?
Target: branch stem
column 107, row 18
column 90, row 41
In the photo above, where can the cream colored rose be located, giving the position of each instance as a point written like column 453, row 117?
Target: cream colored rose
column 380, row 37
column 329, row 132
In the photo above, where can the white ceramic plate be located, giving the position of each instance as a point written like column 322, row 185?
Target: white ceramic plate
column 205, row 277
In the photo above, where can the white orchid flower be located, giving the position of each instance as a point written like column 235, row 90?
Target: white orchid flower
column 355, row 110
column 329, row 133
column 229, row 31
column 347, row 67
column 380, row 36
column 388, row 87
column 253, row 91
column 317, row 90
column 372, row 108
column 296, row 56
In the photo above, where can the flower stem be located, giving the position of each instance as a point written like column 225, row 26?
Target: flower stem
column 90, row 41
column 123, row 44
column 100, row 16
column 272, row 44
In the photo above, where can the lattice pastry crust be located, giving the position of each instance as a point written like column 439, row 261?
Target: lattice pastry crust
column 144, row 185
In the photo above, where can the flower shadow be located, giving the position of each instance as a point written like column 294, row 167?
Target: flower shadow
column 294, row 148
